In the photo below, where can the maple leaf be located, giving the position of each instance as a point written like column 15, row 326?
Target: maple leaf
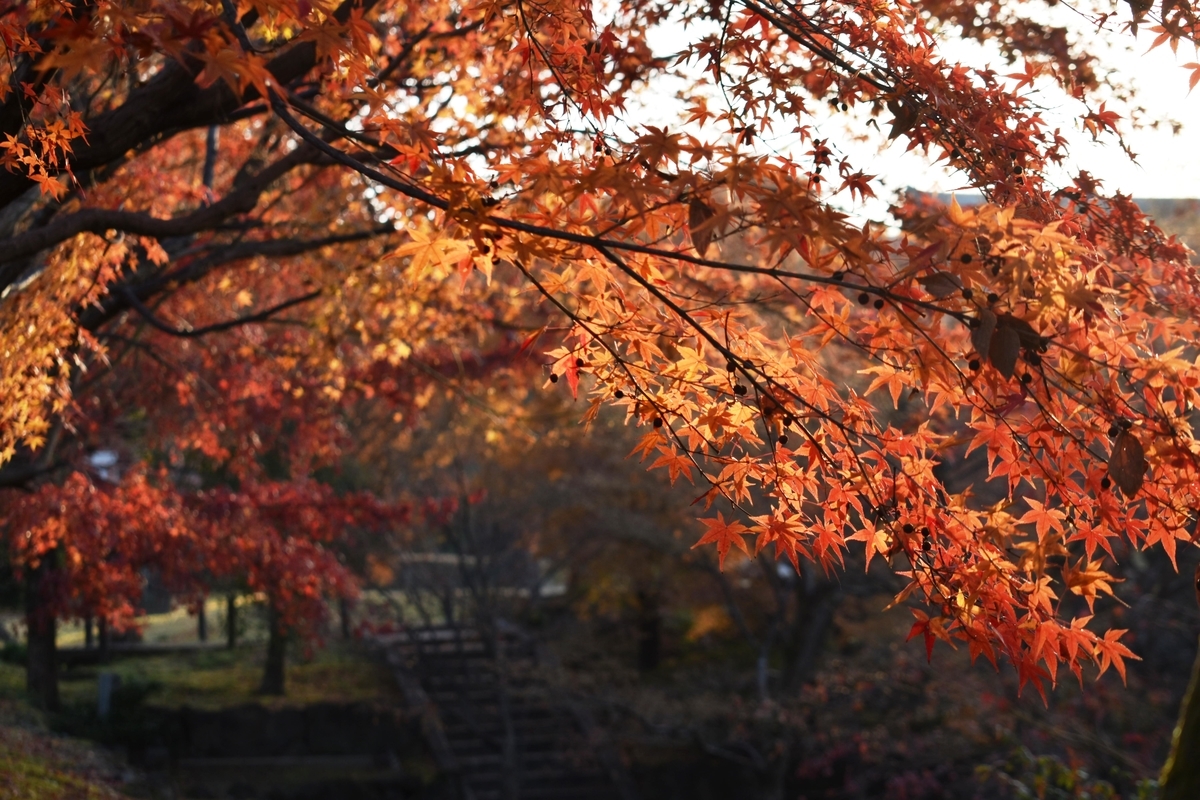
column 1041, row 595
column 425, row 251
column 724, row 535
column 1195, row 76
column 1086, row 579
column 782, row 531
column 1111, row 652
column 1093, row 536
column 1044, row 519
column 677, row 464
column 701, row 219
column 1025, row 78
column 1127, row 466
column 1100, row 120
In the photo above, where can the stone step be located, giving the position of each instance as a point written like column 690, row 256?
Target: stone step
column 565, row 786
column 441, row 649
column 459, row 677
column 530, row 742
column 457, row 720
column 554, row 793
column 485, row 695
column 464, row 729
column 544, row 763
column 488, row 697
column 459, row 674
column 540, row 776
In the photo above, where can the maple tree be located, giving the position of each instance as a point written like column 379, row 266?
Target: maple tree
column 233, row 502
column 332, row 187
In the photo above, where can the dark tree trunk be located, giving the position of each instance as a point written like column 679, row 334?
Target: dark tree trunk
column 41, row 668
column 202, row 622
column 105, row 638
column 273, row 672
column 1181, row 774
column 89, row 633
column 344, row 612
column 649, row 631
column 231, row 621
column 817, row 599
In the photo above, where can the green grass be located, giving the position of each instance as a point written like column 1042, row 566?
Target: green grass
column 36, row 765
column 216, row 677
column 340, row 672
column 178, row 626
column 12, row 680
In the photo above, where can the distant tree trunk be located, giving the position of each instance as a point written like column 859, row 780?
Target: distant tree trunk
column 344, row 613
column 89, row 638
column 202, row 621
column 41, row 668
column 817, row 599
column 105, row 638
column 649, row 630
column 1181, row 774
column 231, row 621
column 762, row 668
column 273, row 673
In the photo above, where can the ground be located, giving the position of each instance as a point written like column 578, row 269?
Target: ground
column 879, row 720
column 218, row 678
column 38, row 765
column 51, row 766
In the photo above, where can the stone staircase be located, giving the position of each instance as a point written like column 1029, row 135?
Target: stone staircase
column 496, row 730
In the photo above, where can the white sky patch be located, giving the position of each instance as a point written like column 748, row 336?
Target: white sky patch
column 1168, row 165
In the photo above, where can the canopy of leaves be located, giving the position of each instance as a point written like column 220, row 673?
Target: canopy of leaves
column 250, row 221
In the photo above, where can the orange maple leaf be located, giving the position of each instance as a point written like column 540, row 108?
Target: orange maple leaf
column 724, row 535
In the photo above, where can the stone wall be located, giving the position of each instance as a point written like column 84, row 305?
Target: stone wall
column 255, row 731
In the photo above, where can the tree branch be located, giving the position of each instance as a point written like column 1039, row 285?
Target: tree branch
column 171, row 102
column 598, row 242
column 99, row 220
column 116, row 302
column 261, row 316
column 18, row 476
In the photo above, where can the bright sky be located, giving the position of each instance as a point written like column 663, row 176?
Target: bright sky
column 1168, row 165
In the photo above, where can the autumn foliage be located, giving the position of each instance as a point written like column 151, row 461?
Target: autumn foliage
column 232, row 229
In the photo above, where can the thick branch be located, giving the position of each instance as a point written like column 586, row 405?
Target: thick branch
column 20, row 475
column 260, row 316
column 170, row 102
column 99, row 220
column 117, row 301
